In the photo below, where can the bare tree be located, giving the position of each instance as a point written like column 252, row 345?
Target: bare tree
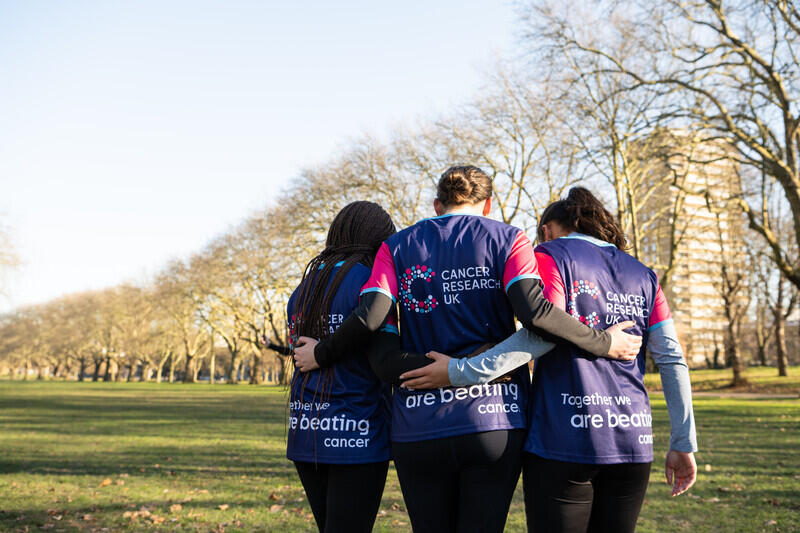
column 179, row 295
column 735, row 63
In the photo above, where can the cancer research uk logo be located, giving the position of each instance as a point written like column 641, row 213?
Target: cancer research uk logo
column 409, row 302
column 587, row 287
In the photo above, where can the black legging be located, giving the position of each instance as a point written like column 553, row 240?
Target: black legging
column 461, row 483
column 577, row 498
column 343, row 498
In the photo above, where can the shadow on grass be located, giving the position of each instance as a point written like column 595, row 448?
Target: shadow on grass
column 105, row 432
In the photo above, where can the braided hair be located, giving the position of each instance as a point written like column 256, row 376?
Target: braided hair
column 581, row 211
column 353, row 237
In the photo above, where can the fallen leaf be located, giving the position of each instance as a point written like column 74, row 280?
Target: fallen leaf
column 86, row 517
column 770, row 523
column 120, row 482
column 223, row 507
column 275, row 508
column 708, row 468
column 273, row 496
column 106, row 482
column 175, row 508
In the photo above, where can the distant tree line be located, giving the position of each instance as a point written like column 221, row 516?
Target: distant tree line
column 603, row 95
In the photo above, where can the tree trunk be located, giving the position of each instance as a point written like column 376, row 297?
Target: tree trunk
column 82, row 368
column 257, row 372
column 107, row 375
column 196, row 369
column 212, row 357
column 147, row 371
column 780, row 340
column 96, row 374
column 240, row 371
column 172, row 368
column 212, row 366
column 733, row 357
column 188, row 369
column 233, row 371
column 762, row 354
column 130, row 368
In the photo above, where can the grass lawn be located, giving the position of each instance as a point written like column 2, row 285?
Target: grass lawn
column 133, row 457
column 760, row 380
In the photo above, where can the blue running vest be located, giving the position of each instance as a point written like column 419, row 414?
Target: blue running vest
column 586, row 409
column 451, row 299
column 351, row 424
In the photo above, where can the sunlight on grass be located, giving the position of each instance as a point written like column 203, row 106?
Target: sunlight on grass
column 132, row 457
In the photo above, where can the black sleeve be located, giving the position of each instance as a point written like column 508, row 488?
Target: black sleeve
column 283, row 350
column 551, row 323
column 355, row 331
column 388, row 360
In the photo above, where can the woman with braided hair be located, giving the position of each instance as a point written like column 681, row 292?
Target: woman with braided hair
column 338, row 416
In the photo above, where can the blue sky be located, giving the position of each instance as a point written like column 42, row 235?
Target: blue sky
column 133, row 132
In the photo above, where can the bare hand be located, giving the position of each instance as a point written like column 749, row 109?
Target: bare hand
column 624, row 346
column 432, row 376
column 681, row 471
column 304, row 354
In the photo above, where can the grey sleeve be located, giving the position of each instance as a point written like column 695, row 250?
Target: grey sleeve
column 515, row 351
column 668, row 355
